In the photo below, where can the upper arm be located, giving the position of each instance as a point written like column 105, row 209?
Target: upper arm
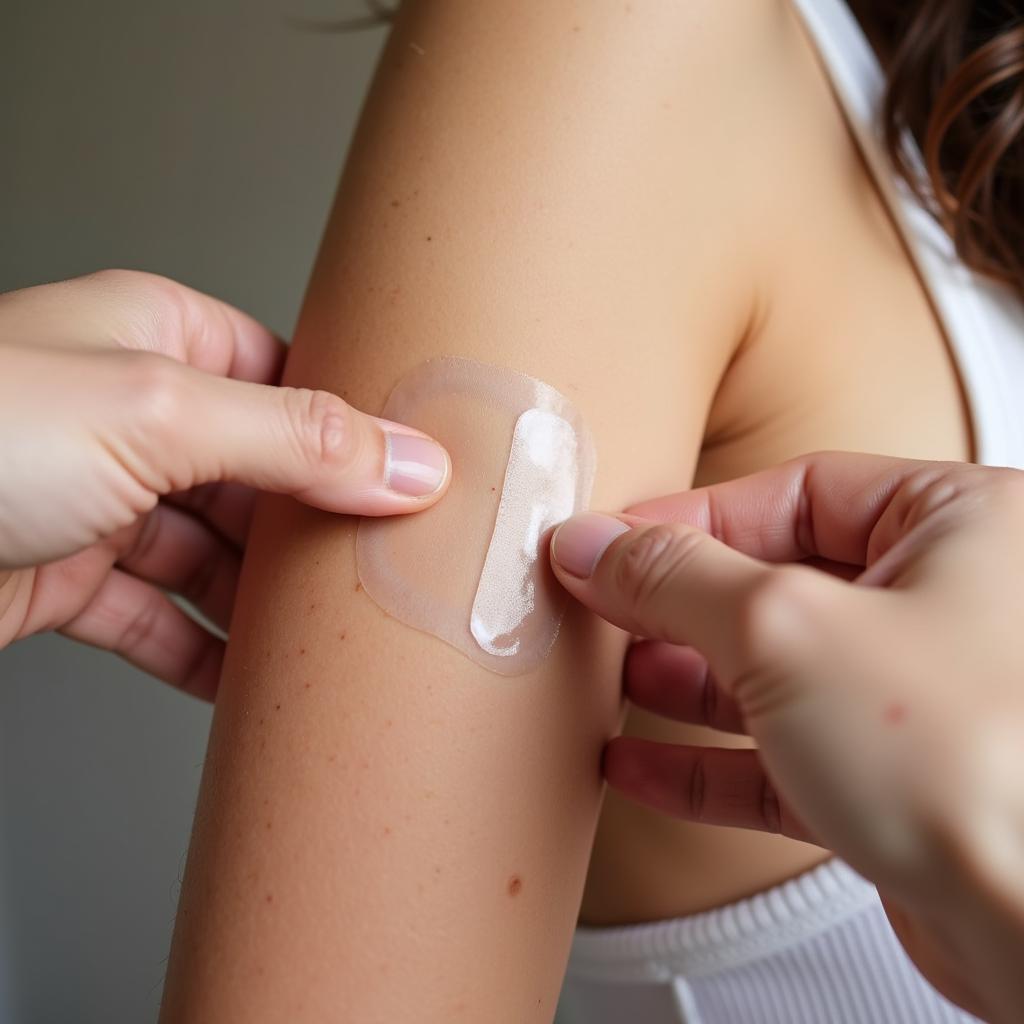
column 386, row 830
column 546, row 185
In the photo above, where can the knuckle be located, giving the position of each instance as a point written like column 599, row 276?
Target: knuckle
column 150, row 308
column 322, row 428
column 119, row 280
column 151, row 296
column 780, row 624
column 944, row 498
column 774, row 611
column 933, row 489
column 648, row 567
column 142, row 286
column 157, row 386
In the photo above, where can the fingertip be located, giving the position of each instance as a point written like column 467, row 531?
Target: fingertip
column 416, row 466
column 369, row 466
column 639, row 674
column 611, row 762
column 651, row 665
column 621, row 763
column 637, row 661
column 203, row 679
column 579, row 543
column 636, row 666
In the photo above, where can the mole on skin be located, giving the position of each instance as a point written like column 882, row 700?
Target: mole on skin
column 895, row 713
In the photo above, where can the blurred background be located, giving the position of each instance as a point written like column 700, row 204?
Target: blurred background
column 200, row 139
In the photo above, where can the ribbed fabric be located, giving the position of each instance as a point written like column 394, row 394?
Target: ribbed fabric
column 727, row 937
column 815, row 950
column 819, row 949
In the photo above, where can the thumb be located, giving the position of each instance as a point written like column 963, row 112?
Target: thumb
column 676, row 583
column 310, row 444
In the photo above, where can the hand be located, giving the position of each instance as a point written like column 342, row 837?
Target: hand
column 889, row 714
column 135, row 416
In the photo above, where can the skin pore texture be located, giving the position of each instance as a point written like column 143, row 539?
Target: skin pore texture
column 657, row 210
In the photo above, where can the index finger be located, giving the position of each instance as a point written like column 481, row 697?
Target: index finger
column 195, row 328
column 131, row 309
column 824, row 505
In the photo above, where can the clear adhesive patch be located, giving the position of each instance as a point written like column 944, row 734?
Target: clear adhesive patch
column 473, row 570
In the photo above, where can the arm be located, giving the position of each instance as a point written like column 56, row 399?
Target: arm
column 385, row 830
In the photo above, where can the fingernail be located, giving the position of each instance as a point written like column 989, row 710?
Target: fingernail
column 414, row 466
column 579, row 542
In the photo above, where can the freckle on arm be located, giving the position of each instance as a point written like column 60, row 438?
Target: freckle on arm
column 895, row 713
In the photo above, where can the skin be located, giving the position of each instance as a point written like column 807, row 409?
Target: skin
column 836, row 298
column 901, row 754
column 137, row 416
column 385, row 831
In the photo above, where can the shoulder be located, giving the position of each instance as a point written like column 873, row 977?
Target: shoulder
column 684, row 99
column 719, row 41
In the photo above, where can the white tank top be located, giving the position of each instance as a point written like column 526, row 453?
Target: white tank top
column 819, row 947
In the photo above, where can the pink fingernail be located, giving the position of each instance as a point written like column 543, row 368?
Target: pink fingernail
column 579, row 542
column 414, row 466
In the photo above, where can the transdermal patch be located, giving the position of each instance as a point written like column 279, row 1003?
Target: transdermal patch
column 473, row 569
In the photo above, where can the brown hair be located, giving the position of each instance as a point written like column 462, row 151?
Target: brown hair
column 955, row 73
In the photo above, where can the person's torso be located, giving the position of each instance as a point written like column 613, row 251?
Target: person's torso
column 849, row 352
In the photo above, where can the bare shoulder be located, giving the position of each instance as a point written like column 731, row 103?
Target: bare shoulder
column 599, row 166
column 696, row 56
column 840, row 297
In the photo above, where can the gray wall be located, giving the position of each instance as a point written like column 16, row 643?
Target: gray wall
column 199, row 139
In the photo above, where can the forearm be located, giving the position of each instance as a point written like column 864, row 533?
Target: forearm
column 385, row 831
